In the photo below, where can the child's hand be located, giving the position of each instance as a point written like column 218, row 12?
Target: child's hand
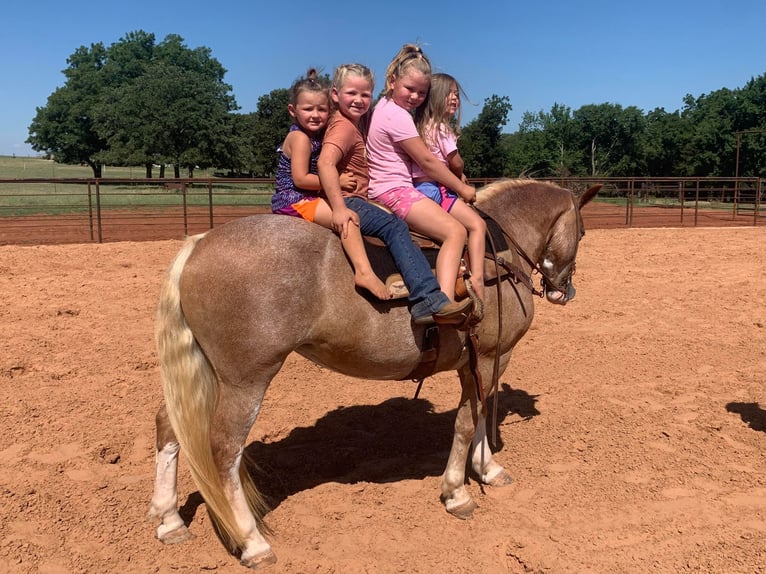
column 467, row 193
column 342, row 218
column 348, row 182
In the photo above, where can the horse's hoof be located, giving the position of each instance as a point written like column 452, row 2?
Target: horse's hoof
column 177, row 536
column 260, row 560
column 463, row 511
column 501, row 479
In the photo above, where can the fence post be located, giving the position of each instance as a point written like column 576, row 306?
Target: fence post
column 90, row 212
column 696, row 203
column 98, row 211
column 186, row 215
column 681, row 200
column 210, row 200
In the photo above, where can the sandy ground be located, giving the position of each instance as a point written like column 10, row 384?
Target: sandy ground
column 631, row 421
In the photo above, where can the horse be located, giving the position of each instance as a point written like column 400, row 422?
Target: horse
column 237, row 300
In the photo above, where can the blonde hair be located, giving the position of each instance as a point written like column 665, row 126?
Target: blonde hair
column 431, row 116
column 345, row 70
column 410, row 56
column 311, row 82
column 342, row 73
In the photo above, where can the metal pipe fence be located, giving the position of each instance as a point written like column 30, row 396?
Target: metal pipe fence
column 38, row 211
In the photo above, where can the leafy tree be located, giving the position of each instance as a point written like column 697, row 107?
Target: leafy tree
column 142, row 103
column 261, row 132
column 751, row 122
column 662, row 142
column 609, row 138
column 710, row 148
column 548, row 146
column 525, row 151
column 64, row 127
column 480, row 142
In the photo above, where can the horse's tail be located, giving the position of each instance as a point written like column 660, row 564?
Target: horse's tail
column 190, row 387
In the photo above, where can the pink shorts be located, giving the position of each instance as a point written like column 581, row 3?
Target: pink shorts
column 400, row 200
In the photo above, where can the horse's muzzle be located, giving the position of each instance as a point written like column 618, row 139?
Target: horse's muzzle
column 561, row 297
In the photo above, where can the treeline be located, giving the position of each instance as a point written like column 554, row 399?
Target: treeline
column 139, row 102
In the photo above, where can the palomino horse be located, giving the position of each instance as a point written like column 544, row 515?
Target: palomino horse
column 238, row 300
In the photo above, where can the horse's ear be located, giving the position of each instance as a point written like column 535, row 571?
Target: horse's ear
column 589, row 194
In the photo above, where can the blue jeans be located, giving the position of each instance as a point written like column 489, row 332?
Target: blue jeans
column 425, row 295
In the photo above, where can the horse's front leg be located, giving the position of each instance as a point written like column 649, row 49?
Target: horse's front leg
column 471, row 437
column 164, row 504
column 482, row 462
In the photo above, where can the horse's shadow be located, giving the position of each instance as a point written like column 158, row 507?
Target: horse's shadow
column 398, row 439
column 750, row 413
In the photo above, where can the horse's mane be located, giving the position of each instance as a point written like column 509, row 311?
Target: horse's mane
column 507, row 184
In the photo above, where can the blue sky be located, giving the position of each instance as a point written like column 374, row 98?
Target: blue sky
column 648, row 54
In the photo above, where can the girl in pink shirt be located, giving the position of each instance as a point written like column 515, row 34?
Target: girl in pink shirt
column 394, row 145
column 433, row 119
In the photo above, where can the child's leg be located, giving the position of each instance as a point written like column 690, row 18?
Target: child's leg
column 477, row 231
column 430, row 219
column 353, row 245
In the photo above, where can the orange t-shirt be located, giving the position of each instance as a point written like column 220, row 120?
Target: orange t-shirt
column 344, row 135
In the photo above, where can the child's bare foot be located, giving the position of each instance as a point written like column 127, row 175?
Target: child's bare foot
column 374, row 285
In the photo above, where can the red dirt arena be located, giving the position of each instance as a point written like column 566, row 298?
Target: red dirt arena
column 632, row 421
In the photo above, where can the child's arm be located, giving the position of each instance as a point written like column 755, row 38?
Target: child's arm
column 297, row 147
column 328, row 161
column 436, row 170
column 456, row 165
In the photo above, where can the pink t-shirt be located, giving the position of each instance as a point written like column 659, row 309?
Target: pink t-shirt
column 441, row 144
column 390, row 166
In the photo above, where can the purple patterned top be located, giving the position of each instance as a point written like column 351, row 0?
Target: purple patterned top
column 285, row 191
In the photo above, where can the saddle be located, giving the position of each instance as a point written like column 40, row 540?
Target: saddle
column 385, row 268
column 497, row 253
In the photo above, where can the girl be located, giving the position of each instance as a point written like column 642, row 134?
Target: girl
column 344, row 150
column 297, row 183
column 393, row 144
column 434, row 119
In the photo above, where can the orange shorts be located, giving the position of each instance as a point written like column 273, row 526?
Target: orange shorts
column 305, row 209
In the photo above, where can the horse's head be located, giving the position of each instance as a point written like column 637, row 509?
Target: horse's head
column 557, row 264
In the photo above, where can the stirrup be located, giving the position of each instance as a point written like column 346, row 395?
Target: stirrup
column 477, row 312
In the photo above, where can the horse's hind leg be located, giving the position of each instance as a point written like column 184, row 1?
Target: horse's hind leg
column 237, row 408
column 164, row 504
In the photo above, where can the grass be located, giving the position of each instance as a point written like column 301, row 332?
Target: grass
column 23, row 198
column 59, row 198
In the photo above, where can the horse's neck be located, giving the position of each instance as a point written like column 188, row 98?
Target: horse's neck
column 527, row 222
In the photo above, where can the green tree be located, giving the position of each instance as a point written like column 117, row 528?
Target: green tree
column 480, row 142
column 144, row 103
column 610, row 138
column 751, row 121
column 262, row 132
column 710, row 148
column 64, row 128
column 548, row 144
column 662, row 142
